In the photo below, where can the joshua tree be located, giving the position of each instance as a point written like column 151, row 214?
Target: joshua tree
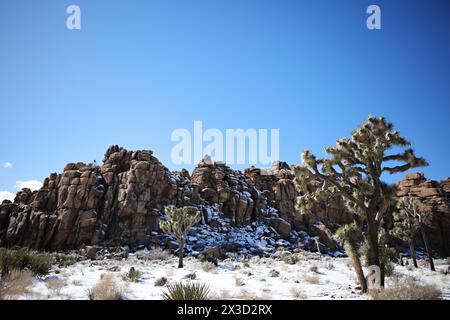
column 354, row 170
column 179, row 224
column 410, row 220
column 406, row 223
column 348, row 236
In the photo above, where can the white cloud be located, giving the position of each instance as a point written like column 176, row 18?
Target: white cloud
column 30, row 184
column 8, row 165
column 6, row 195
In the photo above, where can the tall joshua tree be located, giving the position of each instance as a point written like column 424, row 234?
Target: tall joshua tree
column 354, row 169
column 406, row 223
column 348, row 236
column 179, row 223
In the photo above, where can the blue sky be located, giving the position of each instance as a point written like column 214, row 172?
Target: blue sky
column 137, row 70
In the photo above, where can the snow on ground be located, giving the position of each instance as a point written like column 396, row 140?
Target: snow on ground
column 312, row 277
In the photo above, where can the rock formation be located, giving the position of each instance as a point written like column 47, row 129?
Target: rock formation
column 436, row 204
column 121, row 202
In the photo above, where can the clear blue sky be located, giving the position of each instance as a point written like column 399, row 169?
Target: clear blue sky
column 137, row 70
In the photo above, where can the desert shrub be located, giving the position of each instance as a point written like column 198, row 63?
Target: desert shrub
column 55, row 285
column 188, row 291
column 157, row 254
column 22, row 258
column 407, row 288
column 160, row 282
column 7, row 261
column 238, row 282
column 314, row 269
column 64, row 260
column 297, row 293
column 225, row 294
column 387, row 257
column 274, row 273
column 76, row 282
column 311, row 279
column 208, row 256
column 208, row 267
column 15, row 283
column 106, row 289
column 132, row 275
column 291, row 259
column 329, row 266
column 191, row 276
column 41, row 263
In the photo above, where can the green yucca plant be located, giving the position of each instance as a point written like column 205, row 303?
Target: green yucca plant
column 179, row 223
column 132, row 275
column 188, row 291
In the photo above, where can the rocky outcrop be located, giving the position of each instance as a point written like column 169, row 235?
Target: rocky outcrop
column 217, row 183
column 118, row 202
column 436, row 206
column 121, row 201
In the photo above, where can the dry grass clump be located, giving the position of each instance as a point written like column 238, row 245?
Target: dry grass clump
column 291, row 259
column 55, row 285
column 225, row 294
column 160, row 282
column 106, row 289
column 76, row 282
column 191, row 276
column 407, row 288
column 274, row 273
column 298, row 294
column 311, row 279
column 154, row 254
column 15, row 283
column 245, row 295
column 314, row 269
column 209, row 267
column 239, row 282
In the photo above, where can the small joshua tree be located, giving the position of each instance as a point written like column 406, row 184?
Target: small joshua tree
column 179, row 223
column 408, row 221
column 406, row 224
column 348, row 236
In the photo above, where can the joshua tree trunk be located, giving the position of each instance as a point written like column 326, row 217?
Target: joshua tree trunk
column 374, row 250
column 427, row 247
column 413, row 252
column 180, row 253
column 318, row 248
column 353, row 253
